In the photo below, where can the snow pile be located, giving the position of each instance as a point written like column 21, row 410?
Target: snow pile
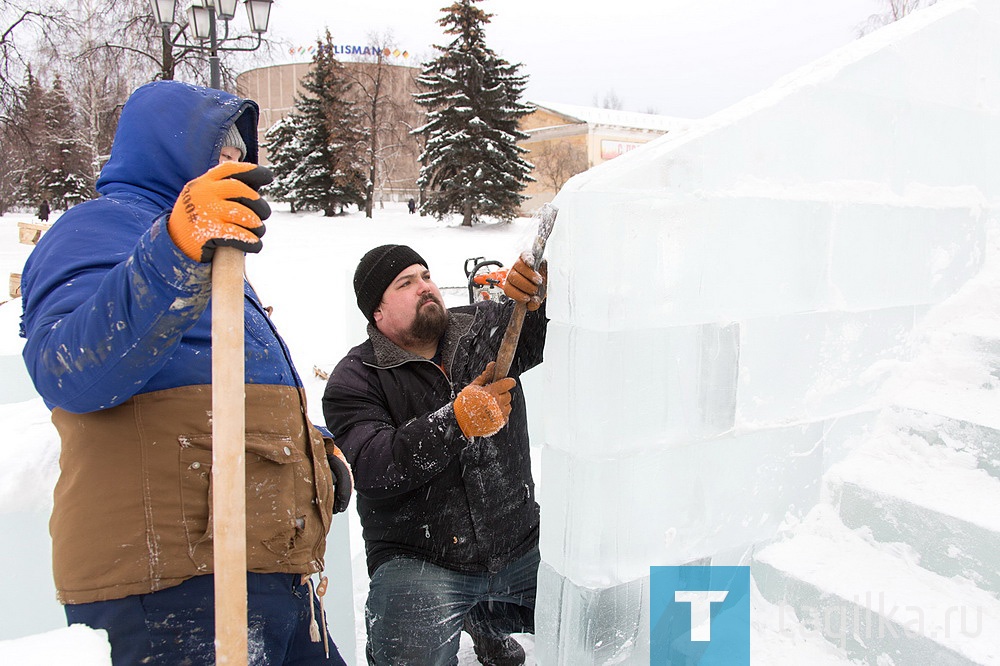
column 76, row 645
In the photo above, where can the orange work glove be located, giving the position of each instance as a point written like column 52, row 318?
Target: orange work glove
column 525, row 285
column 481, row 409
column 343, row 479
column 221, row 208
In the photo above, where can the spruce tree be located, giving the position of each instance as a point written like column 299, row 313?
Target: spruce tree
column 65, row 177
column 284, row 152
column 317, row 155
column 471, row 164
column 27, row 131
column 49, row 156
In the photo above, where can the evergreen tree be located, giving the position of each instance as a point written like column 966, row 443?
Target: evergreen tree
column 471, row 164
column 8, row 181
column 66, row 175
column 15, row 148
column 47, row 159
column 284, row 152
column 26, row 133
column 317, row 156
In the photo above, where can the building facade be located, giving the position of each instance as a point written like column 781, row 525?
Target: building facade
column 566, row 140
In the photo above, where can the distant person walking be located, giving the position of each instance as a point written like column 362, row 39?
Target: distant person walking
column 411, row 205
column 44, row 210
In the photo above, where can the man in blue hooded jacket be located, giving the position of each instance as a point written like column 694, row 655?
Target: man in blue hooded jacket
column 117, row 317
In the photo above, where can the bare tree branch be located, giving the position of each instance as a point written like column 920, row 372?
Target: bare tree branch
column 892, row 11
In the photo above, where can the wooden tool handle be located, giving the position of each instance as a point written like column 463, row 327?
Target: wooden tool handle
column 509, row 343
column 505, row 356
column 229, row 458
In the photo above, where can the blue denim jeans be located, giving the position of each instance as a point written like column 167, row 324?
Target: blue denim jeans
column 416, row 610
column 176, row 626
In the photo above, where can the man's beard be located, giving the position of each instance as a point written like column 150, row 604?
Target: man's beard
column 429, row 324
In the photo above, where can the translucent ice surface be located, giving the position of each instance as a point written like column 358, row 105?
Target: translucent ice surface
column 805, row 367
column 688, row 393
column 606, row 520
column 586, row 626
column 681, row 259
column 725, row 302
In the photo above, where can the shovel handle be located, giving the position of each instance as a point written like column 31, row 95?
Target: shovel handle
column 229, row 458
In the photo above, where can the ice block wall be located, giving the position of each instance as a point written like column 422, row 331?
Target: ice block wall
column 725, row 301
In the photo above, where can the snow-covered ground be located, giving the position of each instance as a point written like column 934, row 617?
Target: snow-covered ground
column 304, row 272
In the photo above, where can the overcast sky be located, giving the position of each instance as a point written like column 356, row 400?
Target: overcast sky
column 685, row 58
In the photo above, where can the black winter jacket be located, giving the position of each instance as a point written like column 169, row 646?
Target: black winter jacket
column 423, row 489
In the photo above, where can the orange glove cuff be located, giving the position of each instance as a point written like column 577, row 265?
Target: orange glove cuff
column 478, row 413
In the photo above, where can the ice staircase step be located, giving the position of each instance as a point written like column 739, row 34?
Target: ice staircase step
column 777, row 638
column 872, row 601
column 968, row 425
column 952, row 342
column 949, row 391
column 987, row 345
column 930, row 498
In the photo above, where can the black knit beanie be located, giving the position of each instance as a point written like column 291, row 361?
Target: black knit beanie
column 376, row 271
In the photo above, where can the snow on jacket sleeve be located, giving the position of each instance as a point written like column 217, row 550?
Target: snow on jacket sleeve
column 106, row 300
column 387, row 460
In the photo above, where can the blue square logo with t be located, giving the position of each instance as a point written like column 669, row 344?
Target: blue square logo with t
column 699, row 616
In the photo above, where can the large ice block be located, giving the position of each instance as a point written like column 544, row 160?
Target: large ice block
column 677, row 259
column 587, row 626
column 683, row 259
column 674, row 386
column 607, row 519
column 808, row 367
column 883, row 255
column 594, row 626
column 725, row 302
column 667, row 385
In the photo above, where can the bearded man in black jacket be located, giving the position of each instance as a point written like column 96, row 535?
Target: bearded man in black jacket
column 441, row 463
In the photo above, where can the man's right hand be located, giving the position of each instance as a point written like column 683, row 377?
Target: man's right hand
column 525, row 285
column 481, row 409
column 221, row 208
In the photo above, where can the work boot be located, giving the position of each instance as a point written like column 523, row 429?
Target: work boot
column 493, row 651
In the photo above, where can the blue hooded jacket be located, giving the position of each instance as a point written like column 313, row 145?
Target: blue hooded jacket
column 112, row 308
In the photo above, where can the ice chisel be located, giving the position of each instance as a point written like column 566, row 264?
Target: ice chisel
column 546, row 220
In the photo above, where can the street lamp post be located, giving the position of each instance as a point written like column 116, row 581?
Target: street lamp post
column 202, row 19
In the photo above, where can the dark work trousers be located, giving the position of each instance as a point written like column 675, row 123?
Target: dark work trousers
column 176, row 626
column 416, row 610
